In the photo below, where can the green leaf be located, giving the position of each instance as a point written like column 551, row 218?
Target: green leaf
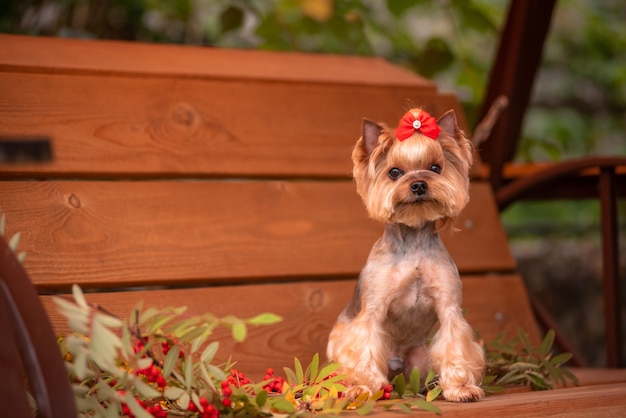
column 571, row 376
column 170, row 360
column 326, row 371
column 283, row 405
column 524, row 339
column 145, row 315
column 399, row 384
column 173, row 393
column 79, row 297
column 433, row 394
column 429, row 378
column 538, row 381
column 414, row 381
column 239, row 331
column 290, row 376
column 261, row 398
column 216, row 372
column 108, row 320
column 406, row 408
column 311, row 371
column 366, row 408
column 489, row 379
column 183, row 401
column 426, row 406
column 299, row 371
column 264, row 319
column 520, row 365
column 145, row 390
column 209, row 352
column 144, row 363
column 546, row 344
column 560, row 359
column 188, row 372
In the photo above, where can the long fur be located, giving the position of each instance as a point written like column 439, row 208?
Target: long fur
column 409, row 281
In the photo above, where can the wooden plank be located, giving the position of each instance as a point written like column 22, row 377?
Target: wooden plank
column 309, row 310
column 162, row 127
column 588, row 376
column 26, row 53
column 588, row 401
column 106, row 234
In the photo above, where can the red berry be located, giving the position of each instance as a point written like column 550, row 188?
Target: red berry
column 227, row 391
column 227, row 402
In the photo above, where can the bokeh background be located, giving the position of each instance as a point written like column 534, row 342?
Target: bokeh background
column 578, row 105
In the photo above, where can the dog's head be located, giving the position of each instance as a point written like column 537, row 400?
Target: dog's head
column 415, row 174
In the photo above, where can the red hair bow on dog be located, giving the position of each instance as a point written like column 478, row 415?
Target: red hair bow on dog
column 417, row 120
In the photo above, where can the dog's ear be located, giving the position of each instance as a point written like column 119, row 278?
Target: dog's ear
column 370, row 132
column 447, row 123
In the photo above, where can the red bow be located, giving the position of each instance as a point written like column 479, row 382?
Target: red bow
column 417, row 120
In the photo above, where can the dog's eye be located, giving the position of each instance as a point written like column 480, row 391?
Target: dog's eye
column 435, row 168
column 395, row 173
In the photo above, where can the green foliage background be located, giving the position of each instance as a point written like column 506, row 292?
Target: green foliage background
column 578, row 105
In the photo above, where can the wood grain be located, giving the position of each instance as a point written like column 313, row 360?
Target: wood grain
column 108, row 126
column 107, row 234
column 25, row 53
column 309, row 310
column 589, row 401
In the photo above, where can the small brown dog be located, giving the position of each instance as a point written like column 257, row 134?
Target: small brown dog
column 415, row 180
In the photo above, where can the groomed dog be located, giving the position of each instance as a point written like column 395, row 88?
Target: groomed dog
column 415, row 179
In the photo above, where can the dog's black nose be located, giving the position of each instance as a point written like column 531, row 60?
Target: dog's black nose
column 419, row 187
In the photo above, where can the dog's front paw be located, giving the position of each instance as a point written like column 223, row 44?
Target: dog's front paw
column 354, row 391
column 465, row 393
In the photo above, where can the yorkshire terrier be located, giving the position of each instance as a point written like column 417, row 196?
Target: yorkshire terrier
column 415, row 179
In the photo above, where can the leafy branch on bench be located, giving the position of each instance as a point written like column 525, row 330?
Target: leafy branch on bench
column 161, row 363
column 518, row 363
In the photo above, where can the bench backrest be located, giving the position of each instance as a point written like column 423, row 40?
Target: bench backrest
column 220, row 180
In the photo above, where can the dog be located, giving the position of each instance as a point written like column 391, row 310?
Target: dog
column 415, row 179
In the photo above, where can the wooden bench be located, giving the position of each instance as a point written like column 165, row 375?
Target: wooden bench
column 220, row 180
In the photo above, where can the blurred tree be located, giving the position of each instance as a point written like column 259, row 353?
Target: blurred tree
column 580, row 98
column 578, row 106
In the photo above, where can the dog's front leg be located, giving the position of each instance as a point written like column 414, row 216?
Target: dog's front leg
column 456, row 357
column 358, row 342
column 359, row 347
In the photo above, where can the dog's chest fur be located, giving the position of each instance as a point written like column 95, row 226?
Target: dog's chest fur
column 415, row 259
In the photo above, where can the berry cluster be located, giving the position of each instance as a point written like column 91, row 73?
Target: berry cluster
column 208, row 409
column 387, row 389
column 167, row 345
column 156, row 410
column 237, row 378
column 275, row 383
column 154, row 374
